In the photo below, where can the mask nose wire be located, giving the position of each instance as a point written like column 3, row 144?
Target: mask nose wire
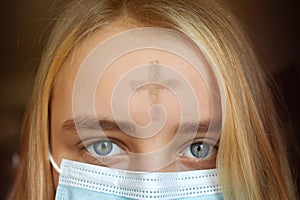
column 54, row 165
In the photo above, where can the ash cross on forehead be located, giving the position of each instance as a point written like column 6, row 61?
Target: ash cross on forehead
column 155, row 82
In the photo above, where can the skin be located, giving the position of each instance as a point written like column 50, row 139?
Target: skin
column 66, row 144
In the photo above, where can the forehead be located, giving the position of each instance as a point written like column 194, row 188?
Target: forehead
column 151, row 71
column 140, row 55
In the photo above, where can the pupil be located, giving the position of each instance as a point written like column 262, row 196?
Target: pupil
column 103, row 148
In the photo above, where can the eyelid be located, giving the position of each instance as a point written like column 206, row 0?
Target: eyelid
column 116, row 150
column 105, row 160
column 89, row 141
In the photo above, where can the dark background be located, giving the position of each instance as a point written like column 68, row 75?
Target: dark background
column 273, row 24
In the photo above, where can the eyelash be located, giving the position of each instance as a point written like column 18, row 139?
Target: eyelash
column 195, row 145
column 87, row 154
column 106, row 145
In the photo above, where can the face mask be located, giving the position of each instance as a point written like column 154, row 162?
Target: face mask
column 85, row 181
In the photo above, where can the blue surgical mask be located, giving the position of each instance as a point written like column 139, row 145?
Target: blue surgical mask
column 78, row 181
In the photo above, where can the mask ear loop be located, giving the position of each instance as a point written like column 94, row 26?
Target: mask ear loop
column 55, row 166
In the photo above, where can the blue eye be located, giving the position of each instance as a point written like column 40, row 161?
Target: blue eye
column 199, row 150
column 104, row 148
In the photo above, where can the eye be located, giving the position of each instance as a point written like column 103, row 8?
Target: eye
column 104, row 148
column 199, row 150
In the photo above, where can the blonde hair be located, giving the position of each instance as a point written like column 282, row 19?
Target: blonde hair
column 252, row 161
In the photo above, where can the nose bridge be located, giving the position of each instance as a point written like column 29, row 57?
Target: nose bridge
column 155, row 165
column 158, row 153
column 154, row 160
column 172, row 167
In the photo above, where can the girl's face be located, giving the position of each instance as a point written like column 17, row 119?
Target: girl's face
column 121, row 145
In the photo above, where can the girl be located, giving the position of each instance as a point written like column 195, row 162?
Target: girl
column 250, row 158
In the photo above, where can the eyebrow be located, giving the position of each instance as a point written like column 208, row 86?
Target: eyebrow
column 90, row 123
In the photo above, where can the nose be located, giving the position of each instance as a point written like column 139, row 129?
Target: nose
column 173, row 167
column 155, row 167
column 164, row 159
